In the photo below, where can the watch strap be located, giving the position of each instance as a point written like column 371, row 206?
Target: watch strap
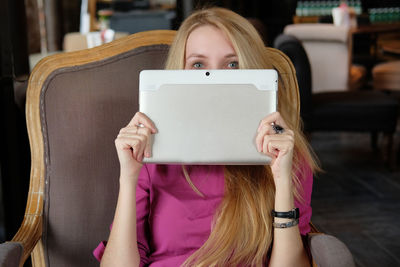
column 293, row 214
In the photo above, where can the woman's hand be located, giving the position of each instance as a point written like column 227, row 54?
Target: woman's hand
column 134, row 143
column 276, row 144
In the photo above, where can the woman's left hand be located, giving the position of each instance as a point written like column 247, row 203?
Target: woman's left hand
column 276, row 144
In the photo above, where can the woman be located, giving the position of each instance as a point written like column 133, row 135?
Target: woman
column 213, row 215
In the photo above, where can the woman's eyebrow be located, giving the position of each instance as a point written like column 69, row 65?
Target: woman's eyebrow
column 196, row 56
column 230, row 55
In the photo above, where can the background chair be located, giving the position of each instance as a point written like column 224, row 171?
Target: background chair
column 386, row 77
column 357, row 111
column 329, row 49
column 75, row 41
column 76, row 104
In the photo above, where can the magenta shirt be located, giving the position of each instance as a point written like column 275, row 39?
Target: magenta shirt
column 173, row 221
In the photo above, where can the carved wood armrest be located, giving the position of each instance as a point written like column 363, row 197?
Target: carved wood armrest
column 29, row 234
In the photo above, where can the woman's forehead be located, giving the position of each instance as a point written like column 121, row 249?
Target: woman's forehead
column 208, row 39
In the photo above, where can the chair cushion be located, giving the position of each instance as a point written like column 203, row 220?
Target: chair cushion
column 83, row 108
column 387, row 75
column 328, row 251
column 10, row 254
column 354, row 111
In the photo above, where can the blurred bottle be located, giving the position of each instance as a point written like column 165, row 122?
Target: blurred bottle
column 306, row 9
column 358, row 7
column 324, row 8
column 299, row 9
column 384, row 15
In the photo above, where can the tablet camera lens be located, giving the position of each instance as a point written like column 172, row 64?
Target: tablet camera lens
column 207, row 73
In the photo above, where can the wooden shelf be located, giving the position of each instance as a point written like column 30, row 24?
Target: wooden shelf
column 305, row 19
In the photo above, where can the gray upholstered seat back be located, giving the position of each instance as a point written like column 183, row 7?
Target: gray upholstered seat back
column 82, row 111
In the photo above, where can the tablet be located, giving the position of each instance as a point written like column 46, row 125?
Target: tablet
column 207, row 116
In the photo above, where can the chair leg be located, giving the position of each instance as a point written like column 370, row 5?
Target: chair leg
column 389, row 154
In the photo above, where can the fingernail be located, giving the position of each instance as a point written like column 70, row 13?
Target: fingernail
column 147, row 154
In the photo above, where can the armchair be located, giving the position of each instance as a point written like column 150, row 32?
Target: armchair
column 329, row 49
column 76, row 104
column 355, row 111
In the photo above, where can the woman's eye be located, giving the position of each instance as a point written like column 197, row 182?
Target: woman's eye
column 233, row 65
column 197, row 65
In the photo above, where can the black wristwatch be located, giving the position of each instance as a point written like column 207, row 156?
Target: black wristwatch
column 293, row 214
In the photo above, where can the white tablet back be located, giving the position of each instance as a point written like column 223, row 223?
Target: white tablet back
column 207, row 116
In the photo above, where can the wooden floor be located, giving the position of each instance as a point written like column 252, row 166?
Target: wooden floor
column 357, row 198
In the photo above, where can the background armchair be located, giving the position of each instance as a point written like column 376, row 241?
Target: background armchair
column 329, row 50
column 76, row 104
column 355, row 111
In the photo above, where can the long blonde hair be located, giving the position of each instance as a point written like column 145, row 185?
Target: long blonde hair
column 242, row 227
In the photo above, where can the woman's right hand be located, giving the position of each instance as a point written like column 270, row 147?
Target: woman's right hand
column 133, row 143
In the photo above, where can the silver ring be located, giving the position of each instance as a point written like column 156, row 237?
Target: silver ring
column 138, row 126
column 277, row 128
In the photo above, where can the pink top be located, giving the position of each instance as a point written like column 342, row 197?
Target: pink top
column 173, row 221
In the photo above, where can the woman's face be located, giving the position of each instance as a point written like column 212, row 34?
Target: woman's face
column 207, row 47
